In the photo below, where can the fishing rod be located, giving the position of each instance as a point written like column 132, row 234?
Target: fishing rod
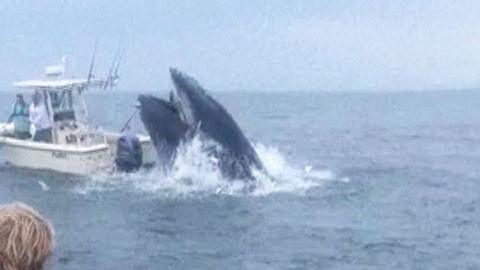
column 129, row 119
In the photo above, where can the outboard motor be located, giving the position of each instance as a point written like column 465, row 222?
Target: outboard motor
column 129, row 153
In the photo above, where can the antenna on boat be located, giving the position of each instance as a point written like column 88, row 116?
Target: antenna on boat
column 115, row 73
column 92, row 63
column 113, row 76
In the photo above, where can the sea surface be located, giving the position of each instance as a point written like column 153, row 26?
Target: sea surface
column 362, row 181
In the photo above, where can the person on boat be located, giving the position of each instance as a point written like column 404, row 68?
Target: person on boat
column 39, row 117
column 26, row 238
column 20, row 120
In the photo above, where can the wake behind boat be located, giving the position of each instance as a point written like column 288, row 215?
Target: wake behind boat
column 75, row 146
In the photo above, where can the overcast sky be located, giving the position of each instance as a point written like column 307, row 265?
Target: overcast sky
column 250, row 44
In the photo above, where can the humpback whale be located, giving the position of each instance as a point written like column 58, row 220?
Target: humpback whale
column 190, row 112
column 162, row 122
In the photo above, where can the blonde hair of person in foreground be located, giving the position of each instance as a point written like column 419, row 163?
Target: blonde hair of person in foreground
column 26, row 238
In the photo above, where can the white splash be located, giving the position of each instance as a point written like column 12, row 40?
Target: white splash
column 43, row 185
column 195, row 172
column 283, row 177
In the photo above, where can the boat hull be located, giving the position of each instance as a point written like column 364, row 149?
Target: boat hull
column 74, row 160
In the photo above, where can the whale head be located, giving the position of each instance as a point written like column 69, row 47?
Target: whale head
column 164, row 125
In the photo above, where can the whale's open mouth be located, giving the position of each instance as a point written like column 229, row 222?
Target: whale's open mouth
column 171, row 123
column 184, row 106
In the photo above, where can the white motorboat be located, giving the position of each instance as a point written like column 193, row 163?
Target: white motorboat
column 77, row 148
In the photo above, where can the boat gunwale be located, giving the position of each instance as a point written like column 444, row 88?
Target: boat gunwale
column 49, row 147
column 76, row 149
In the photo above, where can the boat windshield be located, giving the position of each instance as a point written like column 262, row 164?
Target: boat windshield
column 68, row 105
column 62, row 105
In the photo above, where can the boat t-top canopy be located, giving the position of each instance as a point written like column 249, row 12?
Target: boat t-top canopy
column 58, row 84
column 63, row 97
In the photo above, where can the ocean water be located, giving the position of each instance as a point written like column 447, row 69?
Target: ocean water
column 363, row 181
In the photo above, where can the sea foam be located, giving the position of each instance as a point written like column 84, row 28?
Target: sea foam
column 194, row 172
